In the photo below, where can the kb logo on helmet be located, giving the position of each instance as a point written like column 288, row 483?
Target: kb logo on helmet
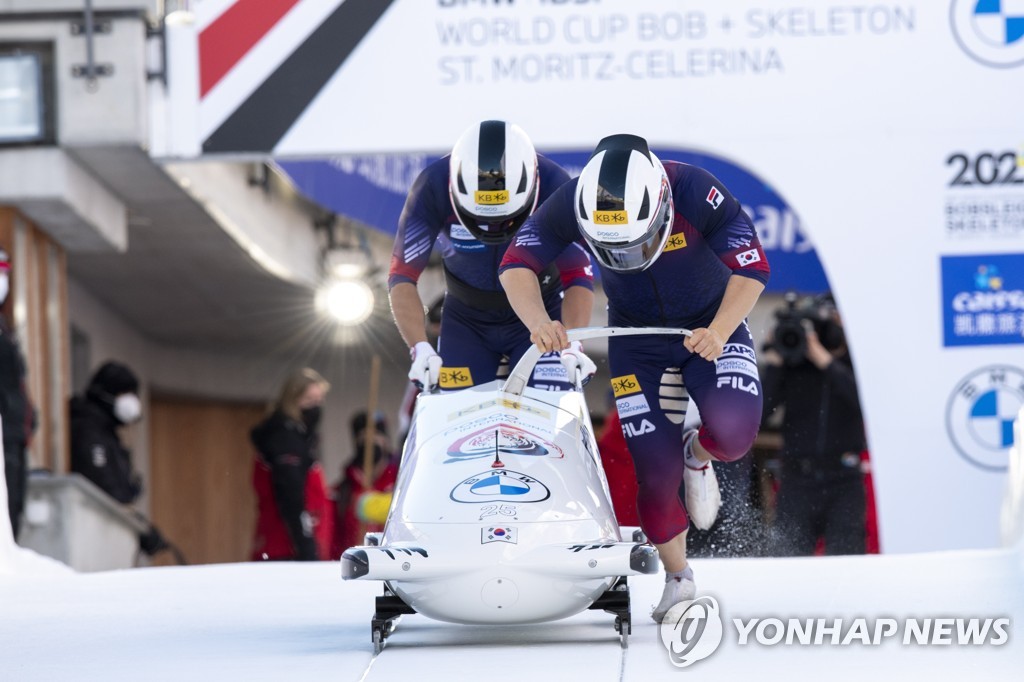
column 491, row 198
column 611, row 217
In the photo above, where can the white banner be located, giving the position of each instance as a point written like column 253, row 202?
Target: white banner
column 894, row 130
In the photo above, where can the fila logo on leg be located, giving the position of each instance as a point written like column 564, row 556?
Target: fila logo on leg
column 633, row 430
column 738, row 383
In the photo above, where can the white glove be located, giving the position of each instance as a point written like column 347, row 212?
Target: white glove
column 426, row 366
column 574, row 358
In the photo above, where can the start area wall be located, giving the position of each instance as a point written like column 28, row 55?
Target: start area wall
column 892, row 129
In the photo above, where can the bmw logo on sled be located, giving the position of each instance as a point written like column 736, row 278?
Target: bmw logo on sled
column 501, row 512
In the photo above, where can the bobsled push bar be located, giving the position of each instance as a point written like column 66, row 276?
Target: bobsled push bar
column 517, row 379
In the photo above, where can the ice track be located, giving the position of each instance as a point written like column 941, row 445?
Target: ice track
column 300, row 621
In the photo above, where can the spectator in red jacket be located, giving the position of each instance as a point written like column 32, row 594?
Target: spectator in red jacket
column 349, row 525
column 618, row 468
column 293, row 516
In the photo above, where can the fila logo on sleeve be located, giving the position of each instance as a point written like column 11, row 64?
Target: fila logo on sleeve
column 748, row 257
column 715, row 197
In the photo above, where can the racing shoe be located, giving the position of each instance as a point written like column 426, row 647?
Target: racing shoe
column 702, row 495
column 679, row 587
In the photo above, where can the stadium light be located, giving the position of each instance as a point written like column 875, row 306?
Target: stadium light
column 348, row 301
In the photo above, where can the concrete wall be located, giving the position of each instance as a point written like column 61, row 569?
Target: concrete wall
column 113, row 110
column 270, row 225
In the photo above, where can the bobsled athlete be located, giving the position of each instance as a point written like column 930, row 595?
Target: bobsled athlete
column 675, row 249
column 472, row 202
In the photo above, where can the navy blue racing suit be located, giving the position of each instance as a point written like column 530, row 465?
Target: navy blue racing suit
column 478, row 326
column 653, row 377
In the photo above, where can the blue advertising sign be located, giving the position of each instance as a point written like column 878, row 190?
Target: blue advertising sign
column 983, row 300
column 372, row 189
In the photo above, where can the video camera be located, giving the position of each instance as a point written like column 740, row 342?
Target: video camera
column 790, row 335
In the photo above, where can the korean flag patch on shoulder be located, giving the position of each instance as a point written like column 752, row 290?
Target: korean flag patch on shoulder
column 748, row 257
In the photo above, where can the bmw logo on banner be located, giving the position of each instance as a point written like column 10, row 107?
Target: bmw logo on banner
column 981, row 413
column 500, row 486
column 990, row 31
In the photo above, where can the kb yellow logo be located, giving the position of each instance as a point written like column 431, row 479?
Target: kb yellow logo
column 611, row 217
column 625, row 385
column 491, row 198
column 455, row 377
column 675, row 241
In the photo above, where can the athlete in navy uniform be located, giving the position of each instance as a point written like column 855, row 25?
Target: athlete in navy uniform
column 675, row 249
column 472, row 202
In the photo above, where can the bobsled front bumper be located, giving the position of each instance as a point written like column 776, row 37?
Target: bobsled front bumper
column 583, row 561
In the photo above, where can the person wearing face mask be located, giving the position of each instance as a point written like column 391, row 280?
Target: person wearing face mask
column 294, row 520
column 15, row 408
column 111, row 401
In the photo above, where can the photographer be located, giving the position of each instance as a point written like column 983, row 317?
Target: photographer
column 807, row 369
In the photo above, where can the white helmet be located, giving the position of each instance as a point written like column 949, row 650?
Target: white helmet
column 492, row 180
column 624, row 204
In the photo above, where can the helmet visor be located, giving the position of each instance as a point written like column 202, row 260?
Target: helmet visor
column 641, row 253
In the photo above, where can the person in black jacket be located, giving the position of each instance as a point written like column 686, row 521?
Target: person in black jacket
column 287, row 443
column 16, row 409
column 111, row 401
column 821, row 494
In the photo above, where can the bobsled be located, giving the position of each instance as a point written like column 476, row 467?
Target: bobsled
column 501, row 512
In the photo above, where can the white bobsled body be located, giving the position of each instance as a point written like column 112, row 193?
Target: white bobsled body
column 501, row 512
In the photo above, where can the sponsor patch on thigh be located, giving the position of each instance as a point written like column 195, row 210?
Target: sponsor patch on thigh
column 738, row 350
column 735, row 365
column 455, row 377
column 633, row 405
column 625, row 385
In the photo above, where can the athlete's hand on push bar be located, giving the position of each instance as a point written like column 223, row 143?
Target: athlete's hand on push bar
column 549, row 336
column 705, row 342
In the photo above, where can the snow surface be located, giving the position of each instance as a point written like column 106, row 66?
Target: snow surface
column 285, row 621
column 282, row 621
